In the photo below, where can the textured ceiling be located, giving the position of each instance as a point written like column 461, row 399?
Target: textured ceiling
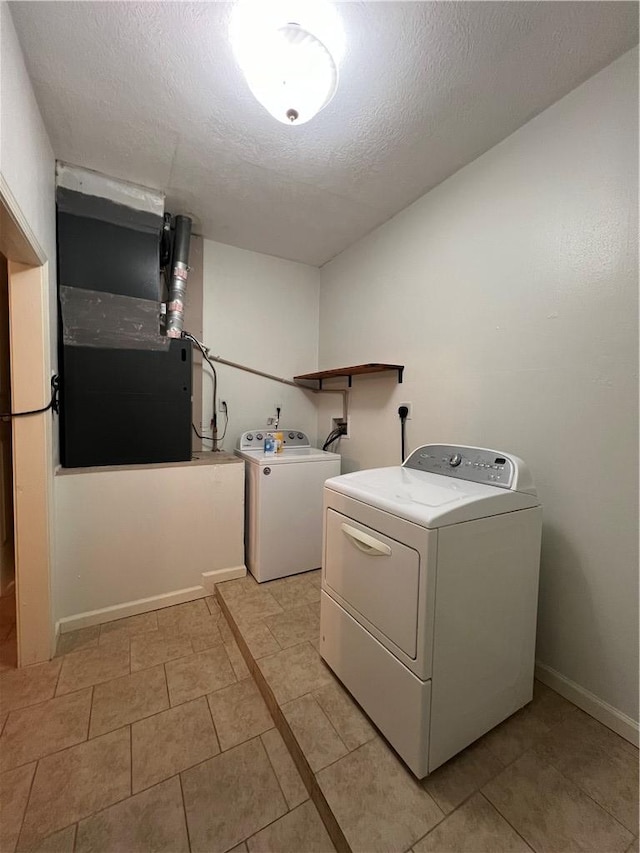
column 150, row 92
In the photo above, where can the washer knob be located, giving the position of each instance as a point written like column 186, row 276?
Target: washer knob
column 292, row 435
column 455, row 460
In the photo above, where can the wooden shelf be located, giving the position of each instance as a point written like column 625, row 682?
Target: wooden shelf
column 349, row 372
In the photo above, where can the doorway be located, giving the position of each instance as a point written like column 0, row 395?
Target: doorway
column 8, row 635
column 29, row 459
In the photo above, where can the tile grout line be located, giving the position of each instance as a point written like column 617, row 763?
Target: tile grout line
column 582, row 790
column 55, row 689
column 515, row 829
column 504, row 817
column 93, row 687
column 336, row 760
column 275, row 772
column 184, row 770
column 26, row 808
column 477, row 791
column 271, row 823
column 166, row 678
column 110, row 731
column 308, row 777
column 532, row 749
column 53, row 752
column 184, row 808
column 213, row 722
column 330, row 721
column 566, row 779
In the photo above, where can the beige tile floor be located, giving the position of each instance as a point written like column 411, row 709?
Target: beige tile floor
column 549, row 779
column 149, row 734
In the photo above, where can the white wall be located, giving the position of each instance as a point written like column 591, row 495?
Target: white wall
column 135, row 539
column 510, row 294
column 27, row 184
column 262, row 312
column 27, row 164
column 26, row 159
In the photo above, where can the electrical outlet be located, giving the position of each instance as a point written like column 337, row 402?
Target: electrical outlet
column 409, row 407
column 336, row 422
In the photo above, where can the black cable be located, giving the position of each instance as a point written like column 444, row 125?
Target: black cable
column 334, row 435
column 226, row 422
column 403, row 411
column 52, row 404
column 209, row 437
column 205, row 354
column 202, row 437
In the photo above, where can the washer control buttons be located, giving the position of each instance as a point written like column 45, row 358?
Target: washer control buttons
column 300, row 435
column 455, row 460
column 259, row 436
column 249, row 437
column 292, row 435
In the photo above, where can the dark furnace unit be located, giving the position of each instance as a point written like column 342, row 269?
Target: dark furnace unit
column 125, row 386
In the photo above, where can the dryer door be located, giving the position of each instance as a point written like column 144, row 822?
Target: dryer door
column 376, row 576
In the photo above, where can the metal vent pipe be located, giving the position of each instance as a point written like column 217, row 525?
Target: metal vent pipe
column 179, row 273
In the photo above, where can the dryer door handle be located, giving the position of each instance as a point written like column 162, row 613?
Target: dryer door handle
column 365, row 543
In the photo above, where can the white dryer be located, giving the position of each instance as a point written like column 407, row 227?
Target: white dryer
column 283, row 503
column 429, row 595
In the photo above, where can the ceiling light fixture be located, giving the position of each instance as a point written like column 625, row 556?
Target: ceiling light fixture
column 289, row 54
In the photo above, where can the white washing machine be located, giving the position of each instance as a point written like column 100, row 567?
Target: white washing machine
column 283, row 503
column 429, row 595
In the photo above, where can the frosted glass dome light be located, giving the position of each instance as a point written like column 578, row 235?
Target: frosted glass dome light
column 288, row 66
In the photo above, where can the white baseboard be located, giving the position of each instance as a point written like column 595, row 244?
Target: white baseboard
column 129, row 608
column 210, row 579
column 606, row 714
column 56, row 634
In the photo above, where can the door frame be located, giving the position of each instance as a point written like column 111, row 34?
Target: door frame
column 33, row 463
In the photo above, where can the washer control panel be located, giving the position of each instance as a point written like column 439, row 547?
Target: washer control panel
column 465, row 463
column 254, row 438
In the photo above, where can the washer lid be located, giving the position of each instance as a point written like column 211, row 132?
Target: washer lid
column 430, row 500
column 287, row 456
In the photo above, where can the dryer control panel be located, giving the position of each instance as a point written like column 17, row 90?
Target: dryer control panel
column 254, row 439
column 477, row 464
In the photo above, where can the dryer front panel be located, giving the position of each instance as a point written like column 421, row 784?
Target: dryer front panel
column 377, row 575
column 381, row 570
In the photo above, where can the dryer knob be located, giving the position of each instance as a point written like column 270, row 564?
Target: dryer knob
column 455, row 460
